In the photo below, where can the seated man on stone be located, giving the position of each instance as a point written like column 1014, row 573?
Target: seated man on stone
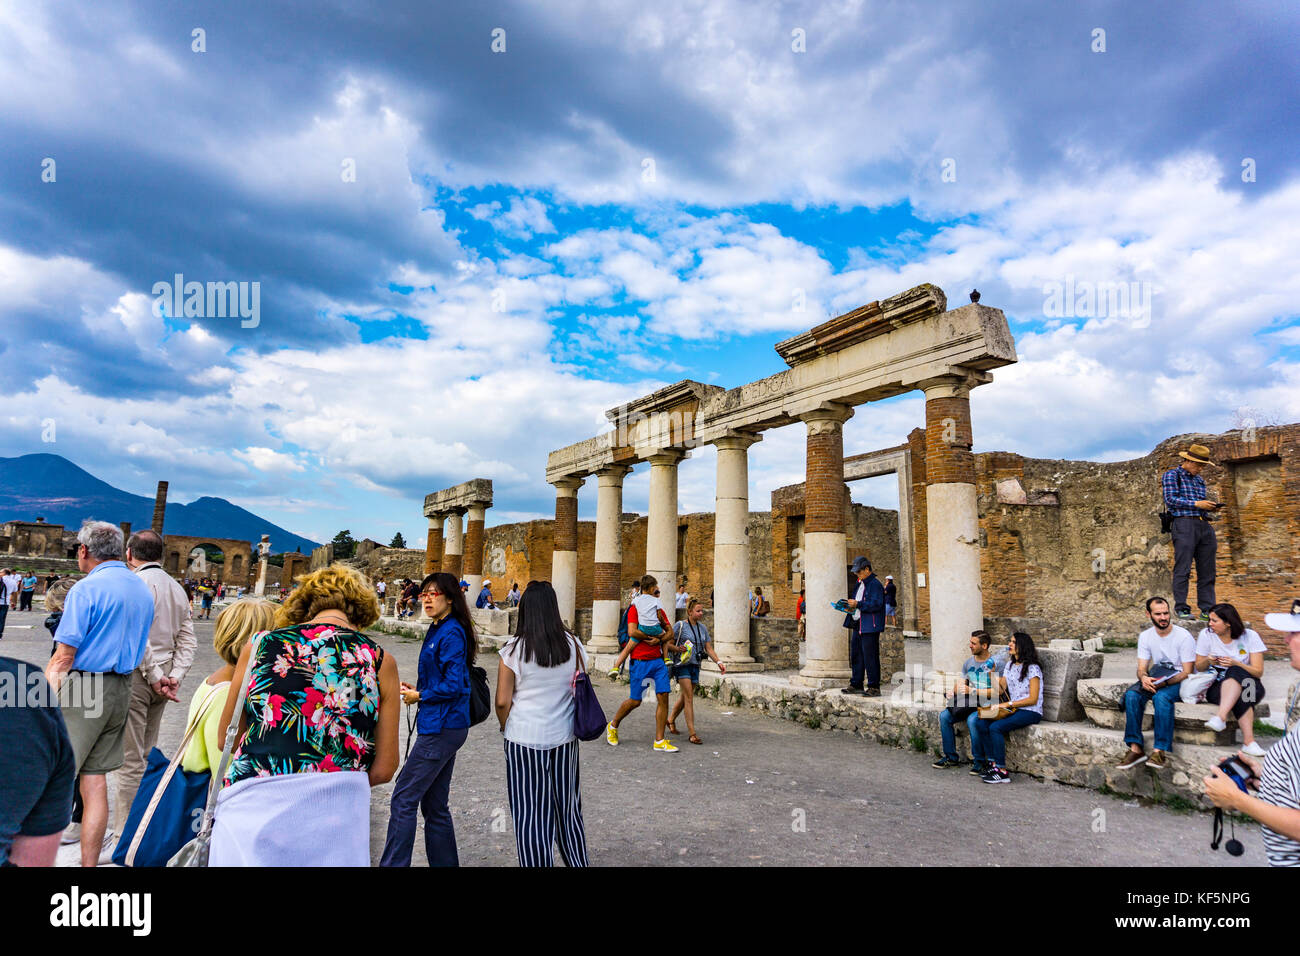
column 973, row 690
column 1165, row 657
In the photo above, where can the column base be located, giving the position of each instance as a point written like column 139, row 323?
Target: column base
column 599, row 645
column 823, row 676
column 741, row 665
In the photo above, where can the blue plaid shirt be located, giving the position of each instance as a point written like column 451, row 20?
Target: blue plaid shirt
column 1182, row 490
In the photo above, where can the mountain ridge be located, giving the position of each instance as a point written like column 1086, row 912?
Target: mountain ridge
column 62, row 492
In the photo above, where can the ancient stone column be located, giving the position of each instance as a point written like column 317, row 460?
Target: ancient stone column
column 564, row 557
column 952, row 523
column 605, row 600
column 731, row 555
column 454, row 549
column 126, row 533
column 433, row 545
column 661, row 527
column 825, row 575
column 159, row 507
column 473, row 571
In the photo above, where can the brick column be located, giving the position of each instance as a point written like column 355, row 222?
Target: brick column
column 473, row 564
column 564, row 559
column 825, row 567
column 159, row 507
column 605, row 602
column 952, row 519
column 453, row 554
column 661, row 528
column 731, row 556
column 433, row 545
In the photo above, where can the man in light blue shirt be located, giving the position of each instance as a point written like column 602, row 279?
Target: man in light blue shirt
column 100, row 641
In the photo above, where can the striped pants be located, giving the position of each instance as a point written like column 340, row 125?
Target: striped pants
column 546, row 804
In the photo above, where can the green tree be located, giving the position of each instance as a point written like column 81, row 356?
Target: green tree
column 398, row 541
column 344, row 544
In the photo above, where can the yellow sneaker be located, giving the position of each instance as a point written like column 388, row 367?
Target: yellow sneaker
column 611, row 735
column 663, row 746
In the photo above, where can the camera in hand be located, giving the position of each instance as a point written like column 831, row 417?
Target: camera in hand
column 1240, row 773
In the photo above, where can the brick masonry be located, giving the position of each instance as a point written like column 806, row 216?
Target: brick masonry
column 948, row 440
column 433, row 550
column 825, row 493
column 566, row 523
column 473, row 559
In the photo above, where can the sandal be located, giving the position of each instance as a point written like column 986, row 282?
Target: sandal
column 669, row 728
column 695, row 740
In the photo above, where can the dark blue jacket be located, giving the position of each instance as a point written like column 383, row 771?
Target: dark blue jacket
column 443, row 680
column 872, row 608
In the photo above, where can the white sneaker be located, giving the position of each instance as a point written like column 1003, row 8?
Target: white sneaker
column 1216, row 723
column 106, row 851
column 1253, row 748
column 71, row 835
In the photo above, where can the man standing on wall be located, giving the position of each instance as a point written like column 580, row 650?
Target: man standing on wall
column 1190, row 507
column 868, row 607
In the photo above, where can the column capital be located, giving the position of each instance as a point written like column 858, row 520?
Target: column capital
column 436, row 518
column 568, row 486
column 667, row 456
column 612, row 474
column 955, row 385
column 830, row 416
column 456, row 512
column 736, row 441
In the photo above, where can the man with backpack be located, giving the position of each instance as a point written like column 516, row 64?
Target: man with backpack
column 650, row 635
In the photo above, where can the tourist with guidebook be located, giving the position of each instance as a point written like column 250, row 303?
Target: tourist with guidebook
column 1166, row 654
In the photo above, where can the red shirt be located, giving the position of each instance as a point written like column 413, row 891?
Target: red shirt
column 643, row 651
column 798, row 608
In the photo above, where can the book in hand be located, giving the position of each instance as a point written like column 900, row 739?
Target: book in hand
column 842, row 605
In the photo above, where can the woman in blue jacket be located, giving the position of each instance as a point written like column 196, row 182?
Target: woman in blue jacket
column 442, row 691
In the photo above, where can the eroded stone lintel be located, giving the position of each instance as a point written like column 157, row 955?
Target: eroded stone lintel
column 459, row 498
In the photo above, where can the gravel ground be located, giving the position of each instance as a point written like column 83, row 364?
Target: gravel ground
column 763, row 791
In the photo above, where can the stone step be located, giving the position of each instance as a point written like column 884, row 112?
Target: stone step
column 1102, row 700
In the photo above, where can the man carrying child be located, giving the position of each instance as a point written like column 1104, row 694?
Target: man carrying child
column 650, row 635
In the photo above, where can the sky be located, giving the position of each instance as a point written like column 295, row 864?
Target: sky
column 473, row 228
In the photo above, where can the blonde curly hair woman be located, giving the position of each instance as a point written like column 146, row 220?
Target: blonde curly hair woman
column 317, row 730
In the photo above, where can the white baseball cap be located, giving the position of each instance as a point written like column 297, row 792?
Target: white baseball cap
column 1285, row 622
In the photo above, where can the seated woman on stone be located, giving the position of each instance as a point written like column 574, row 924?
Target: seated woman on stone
column 646, row 622
column 1236, row 655
column 1022, row 682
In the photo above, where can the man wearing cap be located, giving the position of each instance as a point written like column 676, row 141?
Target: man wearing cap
column 1275, row 781
column 1189, row 504
column 485, row 595
column 868, row 607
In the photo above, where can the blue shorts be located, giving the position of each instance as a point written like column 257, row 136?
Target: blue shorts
column 889, row 610
column 643, row 671
column 690, row 672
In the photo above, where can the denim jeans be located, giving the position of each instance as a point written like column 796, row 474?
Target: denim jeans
column 1135, row 701
column 950, row 740
column 424, row 784
column 993, row 733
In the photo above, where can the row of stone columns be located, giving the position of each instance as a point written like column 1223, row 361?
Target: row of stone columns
column 954, row 574
column 447, row 554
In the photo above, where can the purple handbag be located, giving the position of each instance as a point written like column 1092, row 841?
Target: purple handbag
column 588, row 719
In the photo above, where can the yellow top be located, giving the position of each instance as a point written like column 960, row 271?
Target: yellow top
column 204, row 752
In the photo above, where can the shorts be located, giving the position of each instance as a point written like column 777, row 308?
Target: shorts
column 690, row 672
column 889, row 610
column 643, row 671
column 95, row 708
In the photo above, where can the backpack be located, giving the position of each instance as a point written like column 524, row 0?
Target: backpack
column 622, row 627
column 480, row 697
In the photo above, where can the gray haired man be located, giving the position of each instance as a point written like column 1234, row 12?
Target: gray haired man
column 100, row 641
column 167, row 658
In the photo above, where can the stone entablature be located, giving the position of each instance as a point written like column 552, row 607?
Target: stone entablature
column 34, row 539
column 477, row 491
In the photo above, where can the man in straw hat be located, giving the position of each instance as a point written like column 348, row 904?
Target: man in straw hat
column 1189, row 504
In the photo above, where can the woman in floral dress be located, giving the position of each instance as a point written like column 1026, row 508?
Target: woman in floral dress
column 322, row 699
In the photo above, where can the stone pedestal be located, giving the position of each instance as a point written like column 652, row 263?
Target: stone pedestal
column 825, row 574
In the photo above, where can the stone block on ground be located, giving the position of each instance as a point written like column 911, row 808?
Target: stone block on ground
column 495, row 623
column 1062, row 672
column 1065, row 644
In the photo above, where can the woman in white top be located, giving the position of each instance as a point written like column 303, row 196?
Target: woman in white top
column 534, row 704
column 1022, row 683
column 1236, row 655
